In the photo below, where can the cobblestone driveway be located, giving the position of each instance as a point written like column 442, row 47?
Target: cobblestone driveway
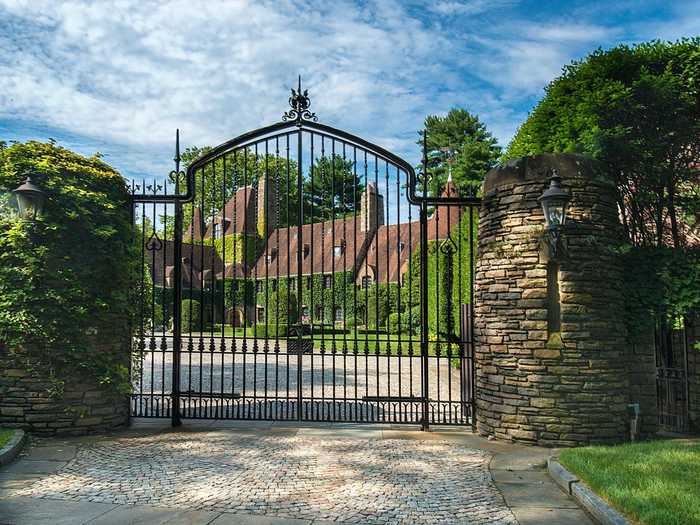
column 347, row 480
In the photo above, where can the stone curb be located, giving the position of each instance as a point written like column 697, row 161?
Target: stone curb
column 584, row 496
column 13, row 447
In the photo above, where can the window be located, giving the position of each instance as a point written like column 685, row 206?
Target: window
column 261, row 314
column 308, row 282
column 327, row 281
column 291, row 283
column 258, row 286
column 319, row 313
column 401, row 246
column 307, row 249
column 366, row 282
column 273, row 285
column 338, row 313
column 216, row 233
column 268, row 258
column 337, row 251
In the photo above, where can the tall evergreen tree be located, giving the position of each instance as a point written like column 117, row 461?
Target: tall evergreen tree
column 459, row 142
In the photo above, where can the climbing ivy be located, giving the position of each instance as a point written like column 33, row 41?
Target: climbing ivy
column 67, row 276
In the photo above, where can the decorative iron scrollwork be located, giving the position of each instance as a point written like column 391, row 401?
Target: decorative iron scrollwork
column 448, row 246
column 154, row 244
column 300, row 103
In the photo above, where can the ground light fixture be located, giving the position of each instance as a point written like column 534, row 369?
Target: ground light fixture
column 30, row 199
column 554, row 201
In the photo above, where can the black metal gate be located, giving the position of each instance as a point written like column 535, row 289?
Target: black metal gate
column 672, row 375
column 298, row 272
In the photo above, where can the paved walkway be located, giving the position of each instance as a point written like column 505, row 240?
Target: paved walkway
column 234, row 473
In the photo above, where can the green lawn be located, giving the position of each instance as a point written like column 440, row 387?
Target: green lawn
column 5, row 435
column 654, row 483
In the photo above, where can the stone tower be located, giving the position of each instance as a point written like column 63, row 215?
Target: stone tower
column 371, row 209
column 553, row 361
column 267, row 206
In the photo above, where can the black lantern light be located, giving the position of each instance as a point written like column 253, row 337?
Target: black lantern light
column 30, row 199
column 554, row 201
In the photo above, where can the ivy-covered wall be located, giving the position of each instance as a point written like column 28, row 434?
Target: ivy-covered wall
column 236, row 248
column 66, row 291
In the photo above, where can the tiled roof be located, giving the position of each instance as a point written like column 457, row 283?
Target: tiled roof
column 318, row 242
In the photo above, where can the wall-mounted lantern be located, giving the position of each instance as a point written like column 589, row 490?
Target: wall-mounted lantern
column 554, row 201
column 30, row 199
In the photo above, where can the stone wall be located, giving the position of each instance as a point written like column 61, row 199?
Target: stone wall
column 555, row 389
column 85, row 407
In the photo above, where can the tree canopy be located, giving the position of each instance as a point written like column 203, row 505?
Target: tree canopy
column 331, row 189
column 636, row 109
column 461, row 140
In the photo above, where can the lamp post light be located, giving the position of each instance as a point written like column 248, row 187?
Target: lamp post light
column 30, row 199
column 554, row 201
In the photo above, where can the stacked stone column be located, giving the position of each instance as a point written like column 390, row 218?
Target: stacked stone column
column 555, row 389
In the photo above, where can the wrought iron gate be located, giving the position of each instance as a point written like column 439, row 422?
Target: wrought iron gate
column 298, row 272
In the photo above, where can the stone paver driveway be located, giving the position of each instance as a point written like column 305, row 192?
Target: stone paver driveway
column 272, row 475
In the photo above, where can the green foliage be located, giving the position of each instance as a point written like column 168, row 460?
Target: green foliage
column 282, row 307
column 335, row 191
column 475, row 150
column 237, row 292
column 232, row 248
column 662, row 282
column 194, row 316
column 270, row 330
column 66, row 277
column 382, row 299
column 448, row 280
column 636, row 109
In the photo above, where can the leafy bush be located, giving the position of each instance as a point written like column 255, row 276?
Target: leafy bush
column 270, row 330
column 71, row 273
column 193, row 318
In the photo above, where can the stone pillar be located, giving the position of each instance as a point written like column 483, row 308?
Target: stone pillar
column 554, row 389
column 29, row 400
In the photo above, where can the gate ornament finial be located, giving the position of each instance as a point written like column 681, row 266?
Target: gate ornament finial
column 299, row 102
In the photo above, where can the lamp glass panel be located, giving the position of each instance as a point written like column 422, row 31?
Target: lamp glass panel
column 26, row 206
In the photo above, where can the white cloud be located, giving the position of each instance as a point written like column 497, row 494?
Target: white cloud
column 126, row 73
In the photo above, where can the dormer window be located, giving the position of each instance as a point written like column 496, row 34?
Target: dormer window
column 307, row 250
column 366, row 282
column 268, row 258
column 337, row 251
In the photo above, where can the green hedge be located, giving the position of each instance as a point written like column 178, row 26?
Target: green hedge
column 270, row 330
column 194, row 317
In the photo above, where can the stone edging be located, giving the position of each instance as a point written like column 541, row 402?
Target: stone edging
column 584, row 496
column 13, row 447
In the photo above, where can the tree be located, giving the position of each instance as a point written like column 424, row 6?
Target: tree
column 462, row 140
column 636, row 109
column 331, row 190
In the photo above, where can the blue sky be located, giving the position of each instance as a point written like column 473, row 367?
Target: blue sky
column 119, row 76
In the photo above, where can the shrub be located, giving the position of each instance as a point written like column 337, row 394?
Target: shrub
column 193, row 319
column 270, row 330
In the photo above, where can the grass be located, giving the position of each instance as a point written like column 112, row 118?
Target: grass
column 653, row 483
column 5, row 435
